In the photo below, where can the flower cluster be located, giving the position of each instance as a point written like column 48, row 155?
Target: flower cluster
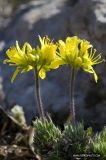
column 41, row 58
column 75, row 52
column 79, row 54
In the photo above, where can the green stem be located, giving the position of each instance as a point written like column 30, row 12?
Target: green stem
column 72, row 87
column 38, row 95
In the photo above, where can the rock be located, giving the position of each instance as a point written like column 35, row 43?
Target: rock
column 30, row 21
column 2, row 45
column 9, row 128
column 95, row 116
column 99, row 24
column 57, row 19
column 2, row 94
column 5, row 13
column 38, row 17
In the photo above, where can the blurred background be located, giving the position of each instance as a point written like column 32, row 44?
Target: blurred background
column 24, row 20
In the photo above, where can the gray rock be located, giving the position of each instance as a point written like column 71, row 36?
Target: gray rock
column 5, row 13
column 100, row 18
column 57, row 19
column 2, row 94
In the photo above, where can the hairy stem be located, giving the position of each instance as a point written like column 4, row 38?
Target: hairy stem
column 38, row 95
column 72, row 103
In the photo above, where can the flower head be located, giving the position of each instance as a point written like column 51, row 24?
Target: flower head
column 18, row 57
column 48, row 58
column 89, row 60
column 69, row 49
column 42, row 58
column 79, row 54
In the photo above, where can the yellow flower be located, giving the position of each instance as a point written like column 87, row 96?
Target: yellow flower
column 48, row 58
column 18, row 57
column 47, row 50
column 79, row 54
column 74, row 52
column 87, row 54
column 89, row 60
column 69, row 50
column 42, row 58
column 84, row 46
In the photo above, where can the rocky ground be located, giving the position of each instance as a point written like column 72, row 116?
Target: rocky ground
column 57, row 19
column 14, row 139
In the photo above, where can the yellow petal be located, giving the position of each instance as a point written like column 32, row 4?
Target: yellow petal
column 42, row 73
column 85, row 45
column 78, row 62
column 5, row 61
column 18, row 47
column 62, row 48
column 48, row 52
column 26, row 47
column 42, row 40
column 26, row 69
column 91, row 70
column 12, row 52
column 56, row 63
column 95, row 76
column 14, row 75
column 88, row 70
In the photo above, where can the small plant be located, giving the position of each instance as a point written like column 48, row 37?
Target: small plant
column 77, row 54
column 46, row 135
column 18, row 113
column 74, row 52
column 99, row 143
column 74, row 140
column 40, row 59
